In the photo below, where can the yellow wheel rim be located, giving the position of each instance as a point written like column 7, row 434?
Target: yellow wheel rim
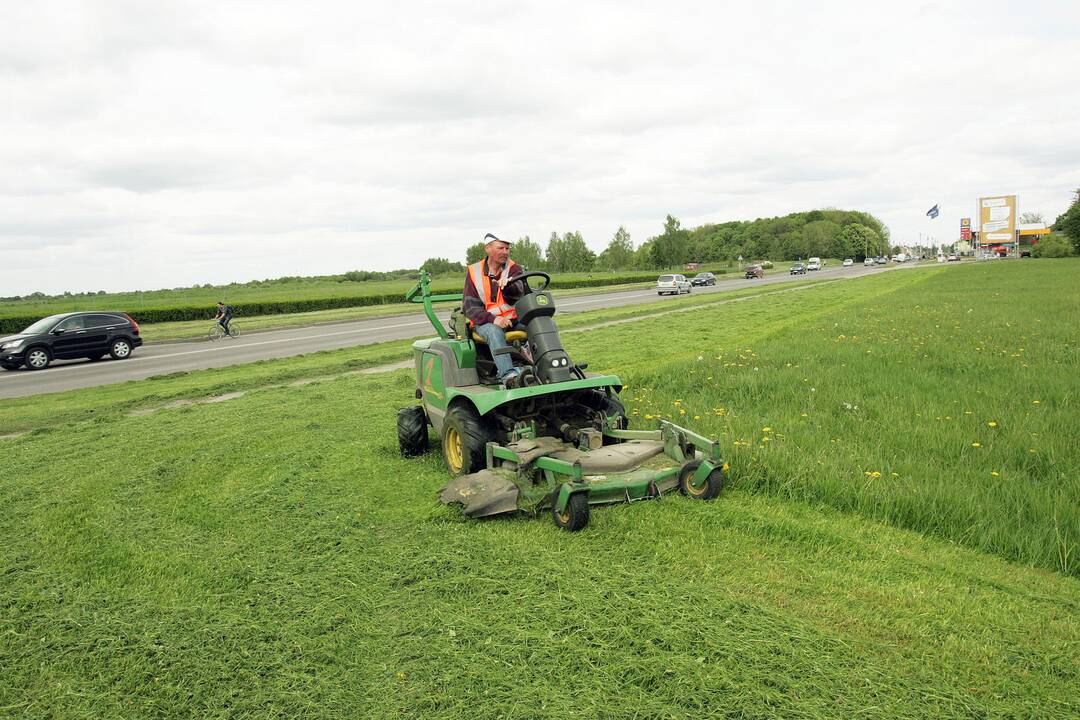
column 452, row 450
column 691, row 490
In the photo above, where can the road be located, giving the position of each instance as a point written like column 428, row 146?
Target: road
column 164, row 358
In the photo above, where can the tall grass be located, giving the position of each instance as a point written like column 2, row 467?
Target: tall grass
column 949, row 407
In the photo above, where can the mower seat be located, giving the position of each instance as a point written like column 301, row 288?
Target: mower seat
column 512, row 336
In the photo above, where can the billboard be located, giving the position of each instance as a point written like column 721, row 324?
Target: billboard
column 997, row 220
column 965, row 228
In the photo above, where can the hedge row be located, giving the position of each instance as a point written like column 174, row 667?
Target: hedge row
column 201, row 312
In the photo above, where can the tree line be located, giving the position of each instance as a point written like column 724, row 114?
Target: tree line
column 822, row 233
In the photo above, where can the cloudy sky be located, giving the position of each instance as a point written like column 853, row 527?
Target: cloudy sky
column 162, row 144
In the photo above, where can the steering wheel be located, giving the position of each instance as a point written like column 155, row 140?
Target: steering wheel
column 534, row 273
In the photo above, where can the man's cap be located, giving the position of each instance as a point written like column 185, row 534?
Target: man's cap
column 490, row 238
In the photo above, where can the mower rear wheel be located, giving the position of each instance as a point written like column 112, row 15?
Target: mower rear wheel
column 576, row 515
column 412, row 431
column 464, row 440
column 714, row 483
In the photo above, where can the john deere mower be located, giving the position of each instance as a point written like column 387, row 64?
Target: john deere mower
column 558, row 443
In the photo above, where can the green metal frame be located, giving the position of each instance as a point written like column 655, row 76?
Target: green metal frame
column 680, row 445
column 421, row 293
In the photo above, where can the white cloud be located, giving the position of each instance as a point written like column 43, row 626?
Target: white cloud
column 166, row 144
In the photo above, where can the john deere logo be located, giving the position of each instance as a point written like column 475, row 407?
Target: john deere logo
column 541, row 300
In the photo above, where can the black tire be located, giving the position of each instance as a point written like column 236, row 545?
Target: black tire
column 465, row 436
column 714, row 484
column 120, row 349
column 576, row 516
column 38, row 358
column 412, row 431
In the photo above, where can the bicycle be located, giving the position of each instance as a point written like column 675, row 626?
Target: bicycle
column 217, row 332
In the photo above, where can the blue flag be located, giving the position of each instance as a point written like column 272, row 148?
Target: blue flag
column 932, row 212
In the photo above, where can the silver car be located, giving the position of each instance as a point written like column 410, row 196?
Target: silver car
column 672, row 284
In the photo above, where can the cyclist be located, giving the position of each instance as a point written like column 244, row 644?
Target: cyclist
column 224, row 316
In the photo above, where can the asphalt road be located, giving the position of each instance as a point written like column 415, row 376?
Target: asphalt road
column 164, row 358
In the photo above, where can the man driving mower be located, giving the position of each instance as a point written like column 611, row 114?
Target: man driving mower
column 488, row 302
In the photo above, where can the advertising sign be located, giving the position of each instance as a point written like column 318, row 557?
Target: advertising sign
column 997, row 220
column 965, row 228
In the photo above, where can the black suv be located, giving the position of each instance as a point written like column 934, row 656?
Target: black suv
column 71, row 335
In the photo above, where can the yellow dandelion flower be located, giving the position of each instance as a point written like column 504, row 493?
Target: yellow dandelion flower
column 766, row 429
column 995, row 473
column 991, row 424
column 1034, row 402
column 681, row 411
column 976, row 445
column 697, row 417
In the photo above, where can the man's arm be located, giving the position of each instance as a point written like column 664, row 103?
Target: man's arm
column 473, row 305
column 513, row 293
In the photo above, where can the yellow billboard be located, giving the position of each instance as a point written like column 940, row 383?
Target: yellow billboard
column 997, row 220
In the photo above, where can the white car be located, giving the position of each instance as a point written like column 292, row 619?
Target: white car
column 813, row 264
column 672, row 284
column 848, row 262
column 868, row 262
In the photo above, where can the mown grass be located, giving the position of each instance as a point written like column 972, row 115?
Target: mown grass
column 273, row 556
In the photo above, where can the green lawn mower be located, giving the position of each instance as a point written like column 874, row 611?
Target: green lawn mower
column 558, row 443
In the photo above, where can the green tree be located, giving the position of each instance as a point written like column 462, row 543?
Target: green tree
column 619, row 253
column 442, row 266
column 855, row 240
column 474, row 253
column 578, row 256
column 669, row 248
column 1069, row 223
column 819, row 237
column 527, row 254
column 555, row 254
column 1054, row 246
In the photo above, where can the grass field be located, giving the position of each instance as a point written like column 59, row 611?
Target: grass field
column 896, row 542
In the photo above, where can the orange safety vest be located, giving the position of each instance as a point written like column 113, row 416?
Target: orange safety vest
column 497, row 306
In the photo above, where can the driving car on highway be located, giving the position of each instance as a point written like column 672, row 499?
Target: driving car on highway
column 90, row 335
column 672, row 284
column 848, row 262
column 703, row 278
column 797, row 269
column 868, row 262
column 754, row 271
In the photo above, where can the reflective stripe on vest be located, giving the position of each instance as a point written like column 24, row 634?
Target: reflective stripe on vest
column 497, row 306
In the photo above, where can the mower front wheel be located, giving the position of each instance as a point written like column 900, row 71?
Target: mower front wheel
column 464, row 440
column 712, row 486
column 412, row 431
column 576, row 515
